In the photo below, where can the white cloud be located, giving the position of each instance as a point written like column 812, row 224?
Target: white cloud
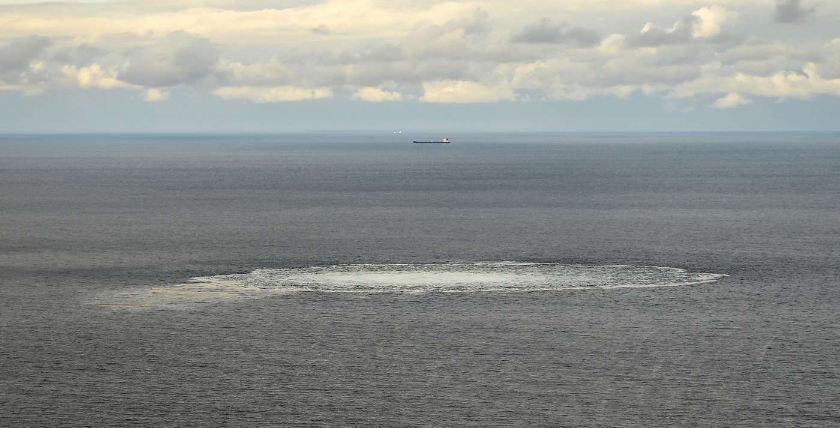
column 449, row 91
column 612, row 44
column 711, row 18
column 804, row 84
column 731, row 100
column 703, row 23
column 154, row 94
column 800, row 85
column 377, row 95
column 262, row 95
column 94, row 76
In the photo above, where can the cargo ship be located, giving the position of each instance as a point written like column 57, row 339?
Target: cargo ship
column 443, row 141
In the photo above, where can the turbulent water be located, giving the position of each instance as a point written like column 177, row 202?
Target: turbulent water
column 647, row 280
column 402, row 278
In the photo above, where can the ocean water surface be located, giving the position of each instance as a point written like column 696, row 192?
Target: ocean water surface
column 503, row 280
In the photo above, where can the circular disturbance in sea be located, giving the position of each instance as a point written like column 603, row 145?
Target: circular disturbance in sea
column 403, row 278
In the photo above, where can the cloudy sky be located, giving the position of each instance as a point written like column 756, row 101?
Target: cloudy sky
column 494, row 65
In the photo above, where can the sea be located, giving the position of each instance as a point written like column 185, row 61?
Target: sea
column 503, row 280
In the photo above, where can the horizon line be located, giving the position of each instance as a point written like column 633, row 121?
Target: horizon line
column 408, row 132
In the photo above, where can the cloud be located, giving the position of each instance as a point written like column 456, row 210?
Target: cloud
column 84, row 53
column 357, row 19
column 710, row 20
column 179, row 58
column 464, row 92
column 731, row 100
column 321, row 29
column 18, row 53
column 153, row 95
column 377, row 95
column 94, row 76
column 454, row 39
column 428, row 50
column 652, row 35
column 270, row 73
column 607, row 74
column 790, row 11
column 703, row 23
column 830, row 68
column 545, row 31
column 802, row 84
column 262, row 95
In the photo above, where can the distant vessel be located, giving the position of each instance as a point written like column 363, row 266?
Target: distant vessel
column 444, row 141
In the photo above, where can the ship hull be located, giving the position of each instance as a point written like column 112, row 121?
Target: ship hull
column 431, row 142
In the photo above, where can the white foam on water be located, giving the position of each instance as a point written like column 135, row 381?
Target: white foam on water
column 402, row 278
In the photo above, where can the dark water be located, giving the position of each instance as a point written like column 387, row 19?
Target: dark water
column 81, row 215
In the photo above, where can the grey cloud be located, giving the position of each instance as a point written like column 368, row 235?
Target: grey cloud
column 180, row 58
column 829, row 70
column 451, row 40
column 477, row 24
column 83, row 54
column 757, row 50
column 506, row 54
column 269, row 73
column 727, row 39
column 18, row 53
column 321, row 29
column 634, row 74
column 323, row 75
column 467, row 39
column 547, row 32
column 383, row 53
column 790, row 11
column 462, row 49
column 627, row 69
column 454, row 70
column 452, row 50
column 683, row 55
column 411, row 63
column 534, row 57
column 379, row 74
column 767, row 67
column 378, row 70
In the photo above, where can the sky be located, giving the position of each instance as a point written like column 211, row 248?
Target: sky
column 386, row 65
